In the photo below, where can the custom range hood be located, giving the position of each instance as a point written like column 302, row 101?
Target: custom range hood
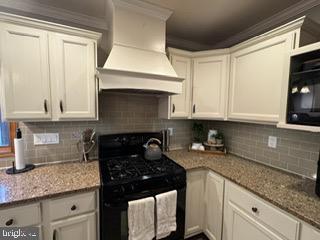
column 137, row 61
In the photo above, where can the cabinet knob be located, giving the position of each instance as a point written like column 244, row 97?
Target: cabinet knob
column 74, row 207
column 9, row 222
column 61, row 106
column 173, row 108
column 45, row 106
column 254, row 209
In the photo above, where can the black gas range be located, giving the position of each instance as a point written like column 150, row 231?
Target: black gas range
column 127, row 176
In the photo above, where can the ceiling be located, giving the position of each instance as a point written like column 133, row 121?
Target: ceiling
column 211, row 21
column 203, row 22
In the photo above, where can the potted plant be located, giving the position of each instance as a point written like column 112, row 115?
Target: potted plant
column 219, row 138
column 198, row 134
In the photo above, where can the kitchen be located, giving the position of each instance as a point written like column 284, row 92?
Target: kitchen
column 122, row 120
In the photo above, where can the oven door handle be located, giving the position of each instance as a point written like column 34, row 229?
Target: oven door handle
column 123, row 203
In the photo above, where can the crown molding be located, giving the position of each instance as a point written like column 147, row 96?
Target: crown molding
column 35, row 23
column 55, row 13
column 269, row 23
column 177, row 42
column 144, row 8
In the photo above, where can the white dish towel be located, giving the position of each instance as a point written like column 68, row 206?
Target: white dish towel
column 166, row 214
column 141, row 219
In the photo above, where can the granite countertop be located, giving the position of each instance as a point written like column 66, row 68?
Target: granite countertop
column 48, row 181
column 289, row 192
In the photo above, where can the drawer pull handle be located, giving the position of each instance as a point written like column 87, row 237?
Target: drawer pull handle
column 74, row 207
column 254, row 209
column 9, row 222
column 194, row 108
column 173, row 108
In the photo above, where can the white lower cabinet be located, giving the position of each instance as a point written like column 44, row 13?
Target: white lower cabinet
column 225, row 211
column 204, row 204
column 248, row 217
column 81, row 227
column 64, row 218
column 194, row 202
column 214, row 188
column 309, row 233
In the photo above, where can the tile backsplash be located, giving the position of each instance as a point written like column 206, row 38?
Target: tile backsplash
column 296, row 151
column 119, row 113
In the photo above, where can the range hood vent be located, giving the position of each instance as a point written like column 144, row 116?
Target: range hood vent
column 137, row 61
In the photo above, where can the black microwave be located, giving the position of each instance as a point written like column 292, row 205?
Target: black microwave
column 304, row 89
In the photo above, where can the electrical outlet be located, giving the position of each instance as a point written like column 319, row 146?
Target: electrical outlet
column 272, row 142
column 170, row 131
column 45, row 138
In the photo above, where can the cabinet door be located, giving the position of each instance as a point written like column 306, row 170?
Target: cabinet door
column 251, row 218
column 82, row 227
column 309, row 233
column 239, row 226
column 180, row 104
column 210, row 78
column 214, row 206
column 73, row 76
column 257, row 74
column 194, row 202
column 24, row 73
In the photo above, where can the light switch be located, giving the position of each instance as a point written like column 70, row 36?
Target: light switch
column 272, row 142
column 170, row 131
column 45, row 138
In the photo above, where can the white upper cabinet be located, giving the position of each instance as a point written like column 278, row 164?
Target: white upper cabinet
column 180, row 104
column 259, row 67
column 25, row 83
column 205, row 85
column 210, row 81
column 257, row 73
column 47, row 70
column 73, row 76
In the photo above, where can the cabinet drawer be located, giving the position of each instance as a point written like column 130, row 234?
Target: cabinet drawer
column 21, row 216
column 268, row 215
column 71, row 206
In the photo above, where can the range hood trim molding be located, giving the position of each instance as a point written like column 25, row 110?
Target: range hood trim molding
column 155, row 77
column 117, row 80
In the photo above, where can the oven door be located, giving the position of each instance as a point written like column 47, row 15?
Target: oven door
column 114, row 216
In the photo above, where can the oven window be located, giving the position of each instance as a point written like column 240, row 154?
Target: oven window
column 304, row 93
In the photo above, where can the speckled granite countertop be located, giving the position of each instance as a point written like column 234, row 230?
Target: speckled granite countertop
column 48, row 181
column 289, row 192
